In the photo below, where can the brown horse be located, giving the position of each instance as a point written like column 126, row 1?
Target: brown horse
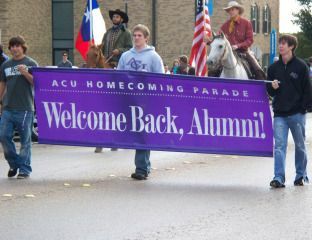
column 95, row 58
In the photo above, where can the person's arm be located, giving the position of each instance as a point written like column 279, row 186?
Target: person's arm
column 103, row 42
column 121, row 65
column 158, row 65
column 2, row 89
column 272, row 87
column 127, row 43
column 223, row 28
column 23, row 70
column 248, row 39
column 2, row 82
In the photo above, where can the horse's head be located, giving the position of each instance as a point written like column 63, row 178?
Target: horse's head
column 95, row 58
column 218, row 49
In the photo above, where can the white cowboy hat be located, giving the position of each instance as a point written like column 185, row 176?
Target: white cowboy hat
column 234, row 4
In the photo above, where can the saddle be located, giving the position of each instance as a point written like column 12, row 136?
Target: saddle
column 248, row 66
column 242, row 58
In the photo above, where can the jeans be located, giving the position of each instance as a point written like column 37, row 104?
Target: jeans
column 22, row 122
column 142, row 162
column 296, row 124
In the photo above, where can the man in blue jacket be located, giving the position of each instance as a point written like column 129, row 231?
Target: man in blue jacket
column 141, row 58
column 291, row 92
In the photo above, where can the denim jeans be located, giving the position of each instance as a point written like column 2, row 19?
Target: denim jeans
column 22, row 122
column 142, row 162
column 296, row 124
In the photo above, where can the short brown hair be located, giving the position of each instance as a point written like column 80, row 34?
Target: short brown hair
column 183, row 59
column 18, row 41
column 291, row 40
column 143, row 29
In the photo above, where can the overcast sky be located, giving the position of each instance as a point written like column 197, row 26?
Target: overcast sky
column 287, row 7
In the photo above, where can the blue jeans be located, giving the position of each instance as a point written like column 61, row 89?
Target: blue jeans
column 296, row 124
column 22, row 122
column 142, row 162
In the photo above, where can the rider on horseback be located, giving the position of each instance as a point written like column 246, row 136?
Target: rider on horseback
column 238, row 30
column 117, row 39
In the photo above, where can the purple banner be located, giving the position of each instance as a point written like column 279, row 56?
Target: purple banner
column 139, row 110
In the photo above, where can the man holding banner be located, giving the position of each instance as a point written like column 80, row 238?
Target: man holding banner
column 141, row 58
column 291, row 92
column 16, row 90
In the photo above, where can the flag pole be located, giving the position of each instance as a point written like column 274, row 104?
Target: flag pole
column 204, row 16
column 91, row 20
column 204, row 4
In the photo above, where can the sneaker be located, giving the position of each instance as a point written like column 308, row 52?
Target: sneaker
column 12, row 172
column 22, row 176
column 276, row 184
column 98, row 150
column 139, row 176
column 299, row 182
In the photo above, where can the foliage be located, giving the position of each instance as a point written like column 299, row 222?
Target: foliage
column 305, row 2
column 304, row 18
column 304, row 49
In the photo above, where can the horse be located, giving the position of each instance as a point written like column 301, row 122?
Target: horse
column 95, row 58
column 222, row 56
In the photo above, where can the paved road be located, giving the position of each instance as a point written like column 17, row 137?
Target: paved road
column 188, row 196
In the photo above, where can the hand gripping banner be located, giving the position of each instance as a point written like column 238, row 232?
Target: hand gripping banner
column 139, row 110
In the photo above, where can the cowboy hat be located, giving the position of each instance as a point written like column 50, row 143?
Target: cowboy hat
column 120, row 13
column 234, row 4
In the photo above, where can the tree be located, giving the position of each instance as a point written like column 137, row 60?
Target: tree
column 304, row 18
column 304, row 49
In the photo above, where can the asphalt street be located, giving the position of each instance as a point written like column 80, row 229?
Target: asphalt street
column 74, row 193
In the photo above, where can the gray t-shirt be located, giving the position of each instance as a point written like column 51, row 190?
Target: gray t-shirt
column 66, row 64
column 19, row 92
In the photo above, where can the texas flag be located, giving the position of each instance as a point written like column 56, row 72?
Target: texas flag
column 92, row 28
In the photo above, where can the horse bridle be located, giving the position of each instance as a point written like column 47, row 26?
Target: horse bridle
column 223, row 54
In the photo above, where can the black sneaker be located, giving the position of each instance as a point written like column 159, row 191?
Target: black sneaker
column 139, row 176
column 98, row 150
column 276, row 184
column 299, row 182
column 22, row 176
column 12, row 172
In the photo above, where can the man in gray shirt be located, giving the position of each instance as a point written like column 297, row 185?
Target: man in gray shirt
column 143, row 58
column 65, row 63
column 16, row 92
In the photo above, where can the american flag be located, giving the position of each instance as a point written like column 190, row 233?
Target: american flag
column 199, row 47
